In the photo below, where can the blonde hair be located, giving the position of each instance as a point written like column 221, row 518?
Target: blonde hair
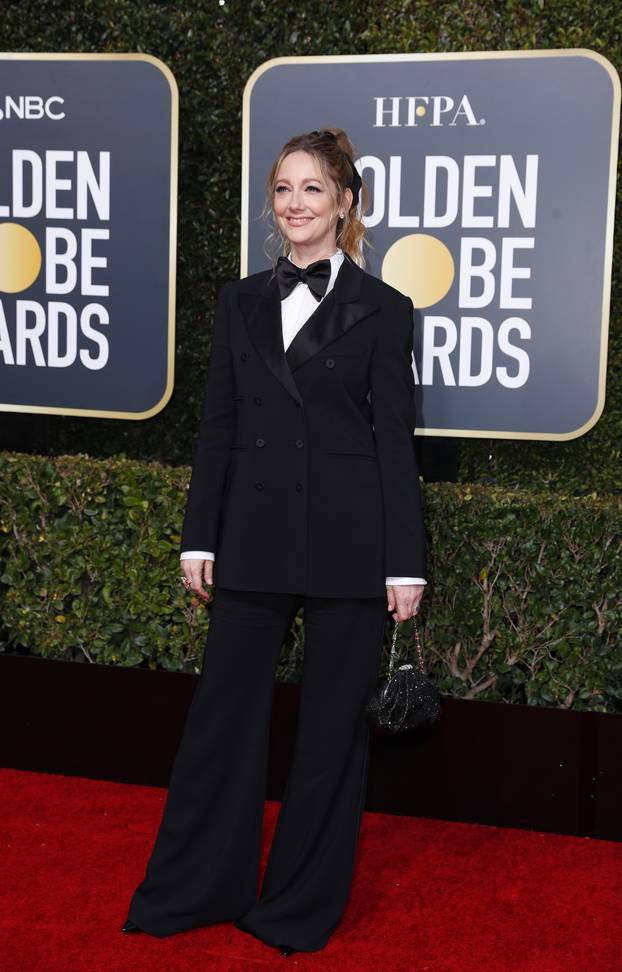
column 333, row 156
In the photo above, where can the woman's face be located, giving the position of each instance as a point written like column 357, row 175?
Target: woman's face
column 303, row 204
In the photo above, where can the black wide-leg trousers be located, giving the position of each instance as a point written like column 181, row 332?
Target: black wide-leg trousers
column 204, row 867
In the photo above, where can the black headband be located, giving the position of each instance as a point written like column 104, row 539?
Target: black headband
column 356, row 182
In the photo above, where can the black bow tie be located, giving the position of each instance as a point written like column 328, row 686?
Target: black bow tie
column 316, row 276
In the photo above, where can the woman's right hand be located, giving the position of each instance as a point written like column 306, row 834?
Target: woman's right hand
column 197, row 572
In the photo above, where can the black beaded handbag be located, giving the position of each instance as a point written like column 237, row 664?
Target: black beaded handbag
column 407, row 699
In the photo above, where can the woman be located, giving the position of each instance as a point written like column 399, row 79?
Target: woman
column 304, row 492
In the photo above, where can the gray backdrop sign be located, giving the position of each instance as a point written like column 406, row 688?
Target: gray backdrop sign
column 88, row 210
column 492, row 183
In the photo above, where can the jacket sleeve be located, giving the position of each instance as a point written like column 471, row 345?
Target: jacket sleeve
column 216, row 435
column 393, row 402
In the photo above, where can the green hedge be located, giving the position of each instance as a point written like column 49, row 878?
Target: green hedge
column 212, row 50
column 523, row 602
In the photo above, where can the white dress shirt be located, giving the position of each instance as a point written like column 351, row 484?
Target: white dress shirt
column 295, row 311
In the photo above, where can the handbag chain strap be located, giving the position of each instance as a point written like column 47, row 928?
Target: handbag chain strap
column 417, row 644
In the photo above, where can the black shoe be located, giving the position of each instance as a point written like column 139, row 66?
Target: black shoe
column 129, row 926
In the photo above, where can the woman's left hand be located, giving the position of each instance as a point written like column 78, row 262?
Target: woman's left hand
column 404, row 600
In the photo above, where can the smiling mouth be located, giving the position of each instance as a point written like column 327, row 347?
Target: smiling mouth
column 299, row 221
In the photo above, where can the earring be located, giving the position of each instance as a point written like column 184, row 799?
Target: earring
column 341, row 215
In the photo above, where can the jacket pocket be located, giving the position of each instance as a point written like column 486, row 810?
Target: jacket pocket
column 353, row 455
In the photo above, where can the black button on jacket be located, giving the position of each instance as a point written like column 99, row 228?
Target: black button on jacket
column 316, row 492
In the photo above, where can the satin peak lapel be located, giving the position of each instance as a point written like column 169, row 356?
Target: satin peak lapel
column 340, row 310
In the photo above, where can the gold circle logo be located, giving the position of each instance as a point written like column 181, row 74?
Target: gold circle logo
column 20, row 258
column 420, row 266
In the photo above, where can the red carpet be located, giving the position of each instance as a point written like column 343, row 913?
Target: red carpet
column 428, row 896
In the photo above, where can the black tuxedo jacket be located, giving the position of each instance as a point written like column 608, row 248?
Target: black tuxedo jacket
column 305, row 478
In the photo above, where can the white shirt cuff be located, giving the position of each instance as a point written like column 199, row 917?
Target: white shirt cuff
column 396, row 581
